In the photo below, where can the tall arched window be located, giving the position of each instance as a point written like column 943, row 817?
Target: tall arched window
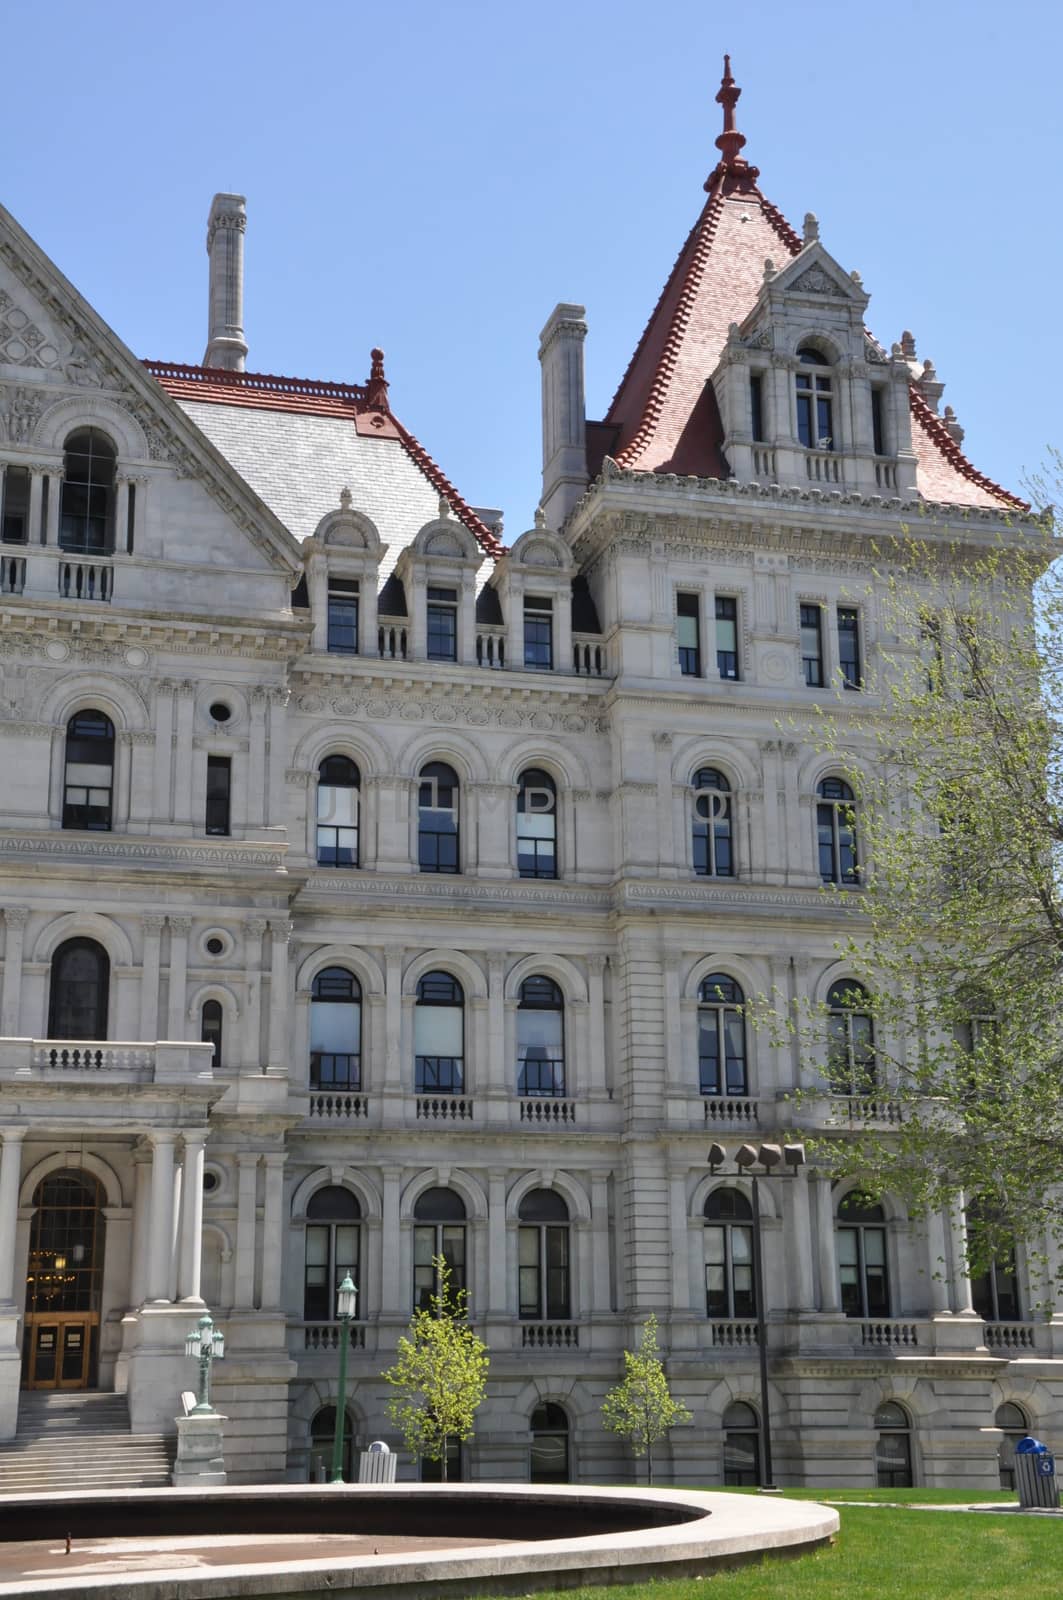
column 439, row 1230
column 338, row 803
column 543, row 1257
column 88, row 780
column 335, row 1030
column 540, row 1038
column 836, row 832
column 322, row 1440
column 893, row 1450
column 438, row 838
column 81, row 979
column 439, row 1035
column 862, row 1257
column 1011, row 1419
column 741, row 1445
column 536, row 824
column 211, row 1021
column 815, row 400
column 86, row 503
column 333, row 1249
column 851, row 1066
column 712, row 839
column 549, row 1445
column 721, row 1036
column 729, row 1286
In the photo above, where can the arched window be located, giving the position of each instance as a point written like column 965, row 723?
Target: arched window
column 439, row 1035
column 893, row 1451
column 322, row 1441
column 1011, row 1419
column 338, row 802
column 88, row 781
column 836, row 832
column 335, row 1030
column 741, row 1445
column 64, row 1274
column 81, row 980
column 721, row 1036
column 540, row 1038
column 438, row 839
column 543, row 1257
column 210, row 1029
column 333, row 1248
column 713, row 844
column 549, row 1445
column 86, row 500
column 850, row 1039
column 729, row 1287
column 862, row 1257
column 439, row 1230
column 815, row 400
column 536, row 824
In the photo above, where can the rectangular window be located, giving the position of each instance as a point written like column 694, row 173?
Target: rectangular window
column 878, row 431
column 812, row 646
column 688, row 632
column 756, row 406
column 15, row 487
column 442, row 624
column 219, row 789
column 849, row 646
column 538, row 632
column 727, row 635
column 343, row 617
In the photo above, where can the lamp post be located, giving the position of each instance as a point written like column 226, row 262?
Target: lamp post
column 747, row 1157
column 206, row 1344
column 346, row 1300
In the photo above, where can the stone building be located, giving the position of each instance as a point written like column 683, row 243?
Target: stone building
column 372, row 886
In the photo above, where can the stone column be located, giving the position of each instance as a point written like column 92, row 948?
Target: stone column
column 499, row 1062
column 601, row 1294
column 830, row 1299
column 10, row 1177
column 55, row 489
column 279, row 1047
column 121, row 513
column 10, row 1006
column 496, row 1242
column 797, row 1234
column 391, row 1298
column 162, row 1165
column 276, row 754
column 138, row 1276
column 246, row 1206
column 165, row 742
column 188, row 1278
column 34, row 533
column 677, row 1225
column 175, row 1233
column 255, row 808
column 393, row 1019
column 939, row 1290
column 149, row 977
column 254, row 928
column 176, row 1022
column 183, row 755
column 596, row 1025
column 959, row 1278
column 273, row 1230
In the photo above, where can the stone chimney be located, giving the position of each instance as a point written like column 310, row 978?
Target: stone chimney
column 226, row 346
column 564, row 412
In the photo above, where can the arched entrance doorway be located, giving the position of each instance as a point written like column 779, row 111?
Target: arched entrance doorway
column 62, row 1326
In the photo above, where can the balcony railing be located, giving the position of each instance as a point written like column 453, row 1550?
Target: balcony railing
column 892, row 1334
column 1009, row 1336
column 103, row 1061
column 730, row 1111
column 12, row 574
column 324, row 1336
column 85, row 580
column 546, row 1112
column 589, row 656
column 338, row 1105
column 490, row 645
column 549, row 1335
column 734, row 1335
column 444, row 1108
column 823, row 466
column 391, row 638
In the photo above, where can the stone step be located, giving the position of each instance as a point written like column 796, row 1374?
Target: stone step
column 48, row 1484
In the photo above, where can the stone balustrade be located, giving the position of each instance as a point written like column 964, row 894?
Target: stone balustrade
column 42, row 1061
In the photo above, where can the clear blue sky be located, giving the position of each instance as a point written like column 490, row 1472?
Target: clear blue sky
column 433, row 177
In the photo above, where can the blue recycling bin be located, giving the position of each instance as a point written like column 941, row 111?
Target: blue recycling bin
column 1035, row 1475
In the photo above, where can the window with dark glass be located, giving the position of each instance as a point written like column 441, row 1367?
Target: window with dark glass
column 549, row 1444
column 540, row 1038
column 87, row 494
column 442, row 616
column 437, row 819
column 543, row 1256
column 333, row 1249
column 862, row 1257
column 66, row 1250
column 851, row 1066
column 878, row 430
column 688, row 633
column 335, row 1030
column 756, row 406
column 81, row 978
column 343, row 616
column 1012, row 1420
column 721, row 1036
column 322, row 1441
column 219, row 793
column 712, row 840
column 88, row 778
column 15, row 489
column 338, row 804
column 815, row 412
column 439, row 1035
column 536, row 824
column 893, row 1449
column 210, row 1028
column 741, row 1445
column 849, row 646
column 439, row 1230
column 812, row 646
column 729, row 1283
column 538, row 631
column 836, row 832
column 727, row 635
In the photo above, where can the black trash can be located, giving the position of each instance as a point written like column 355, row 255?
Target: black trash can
column 1035, row 1474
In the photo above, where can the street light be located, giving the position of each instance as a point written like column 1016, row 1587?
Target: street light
column 346, row 1300
column 769, row 1156
column 206, row 1344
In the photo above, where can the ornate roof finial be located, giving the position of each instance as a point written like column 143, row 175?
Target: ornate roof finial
column 345, row 499
column 732, row 166
column 377, row 387
column 811, row 227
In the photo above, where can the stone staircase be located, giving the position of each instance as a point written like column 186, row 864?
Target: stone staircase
column 78, row 1439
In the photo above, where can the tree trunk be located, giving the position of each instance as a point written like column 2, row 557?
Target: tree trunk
column 649, row 1459
column 444, row 1471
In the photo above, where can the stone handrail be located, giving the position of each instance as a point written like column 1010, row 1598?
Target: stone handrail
column 105, row 1060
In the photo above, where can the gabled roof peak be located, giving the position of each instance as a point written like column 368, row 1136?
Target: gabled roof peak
column 732, row 173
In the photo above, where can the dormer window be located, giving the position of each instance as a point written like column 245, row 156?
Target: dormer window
column 756, row 406
column 815, row 401
column 87, row 502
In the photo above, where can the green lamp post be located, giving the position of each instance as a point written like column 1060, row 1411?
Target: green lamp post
column 346, row 1300
column 206, row 1344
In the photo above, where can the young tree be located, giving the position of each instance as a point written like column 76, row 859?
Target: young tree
column 641, row 1408
column 440, row 1375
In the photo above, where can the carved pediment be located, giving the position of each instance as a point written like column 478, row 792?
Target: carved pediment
column 816, row 281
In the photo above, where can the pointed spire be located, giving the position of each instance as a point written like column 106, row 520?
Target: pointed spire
column 733, row 171
column 377, row 387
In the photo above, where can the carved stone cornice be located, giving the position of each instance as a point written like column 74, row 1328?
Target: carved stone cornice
column 136, row 851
